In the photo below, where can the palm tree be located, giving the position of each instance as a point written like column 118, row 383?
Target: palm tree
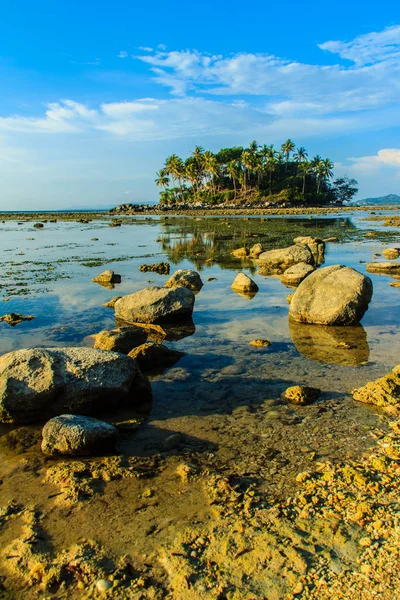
column 272, row 162
column 247, row 162
column 316, row 165
column 199, row 155
column 253, row 147
column 301, row 155
column 287, row 148
column 176, row 169
column 233, row 169
column 324, row 171
column 305, row 168
column 191, row 173
column 211, row 166
column 162, row 178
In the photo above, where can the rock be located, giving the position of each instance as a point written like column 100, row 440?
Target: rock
column 260, row 343
column 340, row 345
column 103, row 585
column 111, row 303
column 15, row 318
column 289, row 298
column 107, row 277
column 385, row 391
column 302, row 395
column 171, row 442
column 278, row 261
column 240, row 253
column 316, row 245
column 155, row 304
column 122, row 339
column 391, row 253
column 211, row 279
column 38, row 225
column 256, row 250
column 335, row 295
column 294, row 275
column 383, row 267
column 77, row 435
column 161, row 268
column 185, row 278
column 242, row 283
column 41, row 383
column 330, row 239
column 153, row 356
column 395, row 284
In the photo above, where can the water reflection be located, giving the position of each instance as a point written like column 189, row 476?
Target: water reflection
column 346, row 346
column 170, row 332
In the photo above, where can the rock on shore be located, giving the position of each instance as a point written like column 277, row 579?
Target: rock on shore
column 77, row 435
column 107, row 277
column 385, row 391
column 185, row 278
column 293, row 276
column 42, row 383
column 152, row 356
column 316, row 245
column 384, row 268
column 335, row 295
column 155, row 304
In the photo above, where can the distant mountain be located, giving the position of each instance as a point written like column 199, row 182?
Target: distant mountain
column 380, row 201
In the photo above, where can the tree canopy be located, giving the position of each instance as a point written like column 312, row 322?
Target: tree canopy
column 259, row 174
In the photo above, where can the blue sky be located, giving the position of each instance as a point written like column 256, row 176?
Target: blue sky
column 94, row 95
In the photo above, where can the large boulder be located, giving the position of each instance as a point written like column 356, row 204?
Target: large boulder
column 155, row 305
column 316, row 245
column 185, row 278
column 335, row 295
column 279, row 260
column 242, row 283
column 77, row 435
column 122, row 339
column 293, row 276
column 41, row 383
column 382, row 392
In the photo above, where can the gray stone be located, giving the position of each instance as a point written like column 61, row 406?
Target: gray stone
column 316, row 245
column 294, row 275
column 41, row 383
column 155, row 304
column 77, row 435
column 335, row 295
column 185, row 278
column 122, row 339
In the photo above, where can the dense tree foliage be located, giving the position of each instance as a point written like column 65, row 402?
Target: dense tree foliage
column 259, row 174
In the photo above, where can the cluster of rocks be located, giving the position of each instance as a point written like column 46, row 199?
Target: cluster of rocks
column 162, row 268
column 15, row 318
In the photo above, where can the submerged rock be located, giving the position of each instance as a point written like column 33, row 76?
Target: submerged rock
column 77, row 435
column 302, row 395
column 391, row 253
column 15, row 318
column 293, row 276
column 242, row 283
column 44, row 382
column 385, row 391
column 340, row 345
column 335, row 295
column 279, row 260
column 385, row 268
column 161, row 268
column 185, row 278
column 107, row 277
column 155, row 304
column 240, row 253
column 152, row 356
column 122, row 339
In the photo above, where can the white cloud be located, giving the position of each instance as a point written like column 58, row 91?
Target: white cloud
column 123, row 54
column 369, row 48
column 60, row 117
column 387, row 157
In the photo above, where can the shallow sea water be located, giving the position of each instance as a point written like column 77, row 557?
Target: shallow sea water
column 223, row 396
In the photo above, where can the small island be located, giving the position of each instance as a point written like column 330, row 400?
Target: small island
column 255, row 177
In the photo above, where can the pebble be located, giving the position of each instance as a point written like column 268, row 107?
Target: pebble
column 103, row 585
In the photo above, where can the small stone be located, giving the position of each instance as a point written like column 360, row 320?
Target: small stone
column 301, row 395
column 298, row 589
column 171, row 442
column 365, row 541
column 260, row 343
column 103, row 585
